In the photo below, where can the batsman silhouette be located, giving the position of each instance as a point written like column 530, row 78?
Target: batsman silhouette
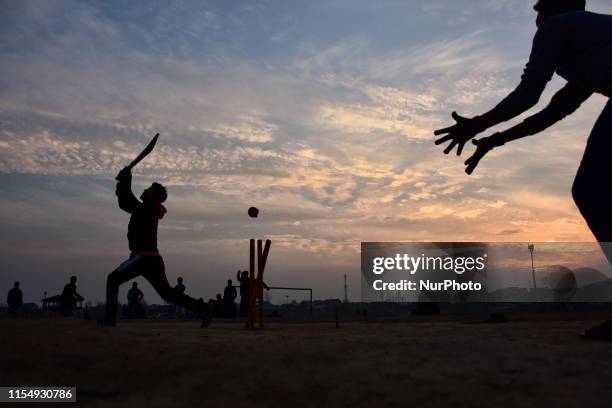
column 577, row 44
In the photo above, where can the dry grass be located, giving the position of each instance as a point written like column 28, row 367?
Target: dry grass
column 426, row 362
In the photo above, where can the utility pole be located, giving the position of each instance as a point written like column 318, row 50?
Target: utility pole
column 345, row 290
column 531, row 248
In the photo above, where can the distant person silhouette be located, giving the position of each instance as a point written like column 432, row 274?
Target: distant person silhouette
column 135, row 297
column 229, row 297
column 180, row 288
column 69, row 297
column 577, row 44
column 145, row 259
column 14, row 299
column 243, row 278
column 218, row 306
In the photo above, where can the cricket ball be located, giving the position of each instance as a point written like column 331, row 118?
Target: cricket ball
column 253, row 212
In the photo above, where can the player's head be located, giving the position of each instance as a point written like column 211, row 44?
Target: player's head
column 180, row 280
column 155, row 193
column 135, row 285
column 245, row 274
column 549, row 8
column 17, row 284
column 73, row 279
column 219, row 296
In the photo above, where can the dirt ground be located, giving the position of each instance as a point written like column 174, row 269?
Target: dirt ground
column 532, row 361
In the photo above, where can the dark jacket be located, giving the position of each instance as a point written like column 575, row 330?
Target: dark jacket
column 142, row 229
column 244, row 285
column 70, row 294
column 14, row 298
column 135, row 295
column 229, row 294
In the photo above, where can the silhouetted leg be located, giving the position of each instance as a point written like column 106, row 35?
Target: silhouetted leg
column 156, row 275
column 592, row 189
column 244, row 304
column 261, row 307
column 126, row 271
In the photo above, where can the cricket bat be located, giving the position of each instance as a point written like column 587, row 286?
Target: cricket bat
column 145, row 152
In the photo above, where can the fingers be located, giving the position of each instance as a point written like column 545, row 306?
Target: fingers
column 443, row 139
column 460, row 148
column 450, row 147
column 445, row 130
column 470, row 169
column 458, row 118
column 473, row 161
column 125, row 173
column 471, row 164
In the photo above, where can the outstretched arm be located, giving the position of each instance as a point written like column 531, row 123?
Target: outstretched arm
column 563, row 103
column 127, row 201
column 525, row 96
column 547, row 45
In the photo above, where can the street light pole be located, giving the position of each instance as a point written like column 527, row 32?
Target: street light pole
column 531, row 248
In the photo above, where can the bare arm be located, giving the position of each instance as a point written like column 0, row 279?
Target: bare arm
column 524, row 97
column 563, row 103
column 547, row 46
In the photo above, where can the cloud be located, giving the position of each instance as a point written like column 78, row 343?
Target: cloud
column 386, row 110
column 324, row 125
column 249, row 130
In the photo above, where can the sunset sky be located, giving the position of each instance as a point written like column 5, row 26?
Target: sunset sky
column 320, row 113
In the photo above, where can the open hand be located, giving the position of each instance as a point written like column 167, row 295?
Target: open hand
column 459, row 134
column 483, row 146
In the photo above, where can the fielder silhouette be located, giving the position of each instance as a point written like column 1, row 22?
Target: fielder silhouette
column 134, row 298
column 70, row 297
column 577, row 44
column 14, row 300
column 145, row 259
